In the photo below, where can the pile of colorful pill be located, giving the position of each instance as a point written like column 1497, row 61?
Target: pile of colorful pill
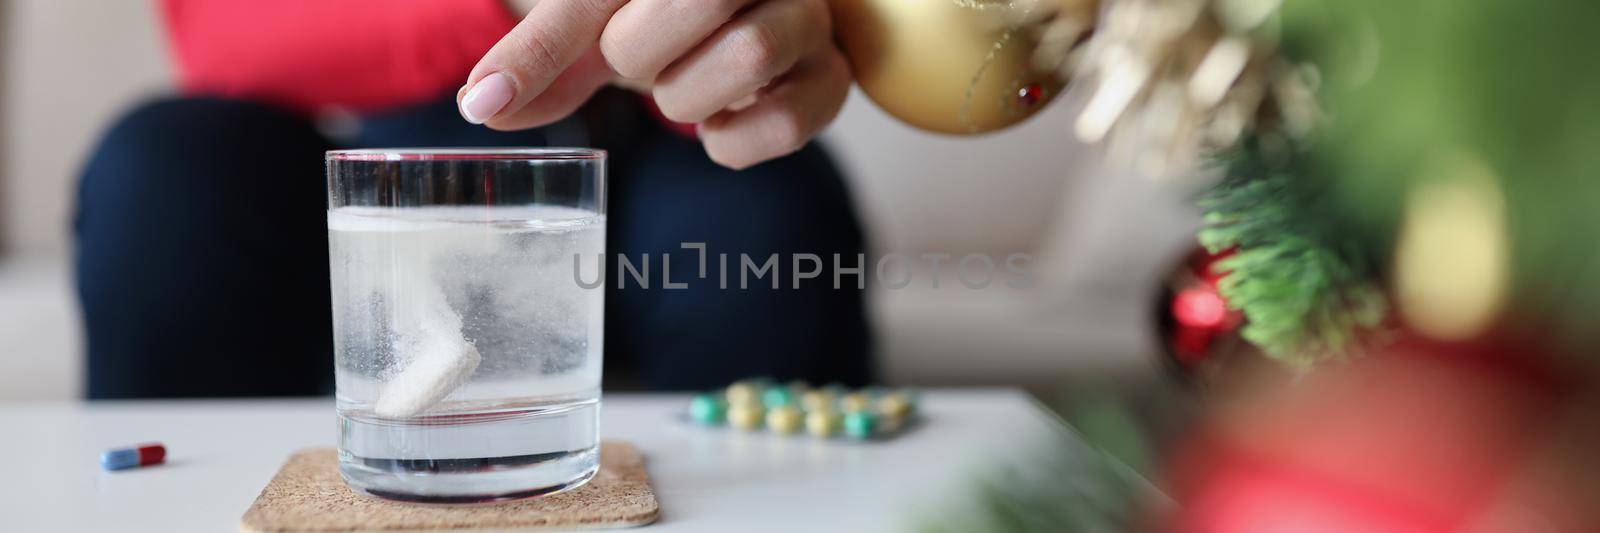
column 152, row 453
column 823, row 412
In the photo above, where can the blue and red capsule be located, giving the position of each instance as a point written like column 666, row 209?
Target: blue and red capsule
column 151, row 453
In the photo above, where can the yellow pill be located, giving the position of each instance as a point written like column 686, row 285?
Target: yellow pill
column 743, row 393
column 894, row 405
column 855, row 402
column 747, row 417
column 823, row 423
column 817, row 400
column 784, row 420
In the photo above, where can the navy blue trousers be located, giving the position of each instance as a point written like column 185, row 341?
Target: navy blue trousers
column 202, row 252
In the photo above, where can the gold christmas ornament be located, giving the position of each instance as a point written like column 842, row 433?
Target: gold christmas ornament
column 950, row 66
column 1159, row 82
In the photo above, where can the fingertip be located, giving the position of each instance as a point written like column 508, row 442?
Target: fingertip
column 736, row 164
column 722, row 156
column 486, row 98
column 460, row 95
column 731, row 164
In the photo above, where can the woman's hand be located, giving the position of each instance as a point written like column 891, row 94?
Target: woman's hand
column 761, row 77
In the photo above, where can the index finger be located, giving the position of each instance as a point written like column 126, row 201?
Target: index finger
column 554, row 35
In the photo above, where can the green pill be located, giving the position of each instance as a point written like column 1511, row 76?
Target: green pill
column 859, row 424
column 776, row 397
column 707, row 409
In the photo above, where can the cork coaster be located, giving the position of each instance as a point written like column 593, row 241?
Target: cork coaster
column 308, row 495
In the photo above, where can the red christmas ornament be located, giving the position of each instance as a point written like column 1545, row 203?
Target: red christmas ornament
column 1199, row 307
column 1194, row 315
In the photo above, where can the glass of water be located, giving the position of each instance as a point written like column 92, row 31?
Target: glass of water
column 467, row 314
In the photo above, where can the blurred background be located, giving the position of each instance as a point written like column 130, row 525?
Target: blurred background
column 1103, row 238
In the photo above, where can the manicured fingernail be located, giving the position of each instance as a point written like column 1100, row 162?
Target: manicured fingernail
column 491, row 94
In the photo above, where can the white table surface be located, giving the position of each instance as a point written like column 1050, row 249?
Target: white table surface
column 221, row 453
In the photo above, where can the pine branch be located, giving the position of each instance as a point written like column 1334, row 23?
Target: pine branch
column 1304, row 287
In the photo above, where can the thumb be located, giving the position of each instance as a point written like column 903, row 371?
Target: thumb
column 505, row 88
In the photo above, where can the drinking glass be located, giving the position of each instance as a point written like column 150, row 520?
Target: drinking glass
column 467, row 314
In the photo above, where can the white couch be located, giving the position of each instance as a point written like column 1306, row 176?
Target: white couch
column 1100, row 237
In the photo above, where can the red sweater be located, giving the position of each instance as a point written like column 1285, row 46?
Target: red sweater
column 365, row 55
